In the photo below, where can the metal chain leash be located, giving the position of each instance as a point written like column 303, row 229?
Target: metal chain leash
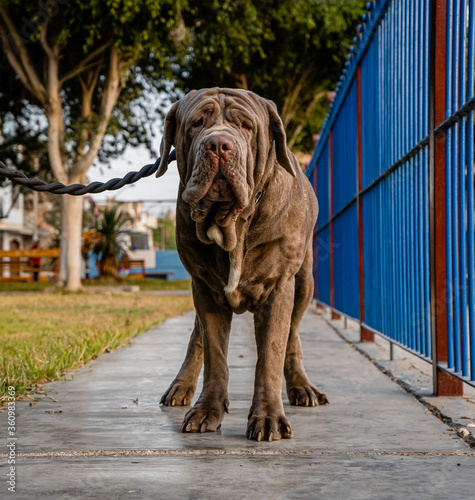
column 80, row 189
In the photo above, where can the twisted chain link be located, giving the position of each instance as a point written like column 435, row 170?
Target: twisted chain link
column 80, row 189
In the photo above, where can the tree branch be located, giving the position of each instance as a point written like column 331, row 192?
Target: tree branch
column 308, row 112
column 287, row 100
column 54, row 115
column 35, row 83
column 240, row 81
column 44, row 41
column 15, row 63
column 290, row 107
column 86, row 106
column 109, row 99
column 86, row 63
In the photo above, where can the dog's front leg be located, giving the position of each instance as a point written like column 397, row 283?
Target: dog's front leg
column 267, row 420
column 182, row 389
column 208, row 412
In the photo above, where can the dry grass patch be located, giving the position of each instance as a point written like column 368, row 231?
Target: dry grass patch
column 44, row 336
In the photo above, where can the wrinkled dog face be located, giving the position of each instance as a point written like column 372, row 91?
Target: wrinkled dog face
column 220, row 130
column 223, row 139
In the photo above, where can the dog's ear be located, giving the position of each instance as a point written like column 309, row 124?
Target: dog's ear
column 167, row 139
column 278, row 134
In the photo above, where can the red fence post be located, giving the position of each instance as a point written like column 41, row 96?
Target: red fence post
column 444, row 383
column 365, row 334
column 335, row 315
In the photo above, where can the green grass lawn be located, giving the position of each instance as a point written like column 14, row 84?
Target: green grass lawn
column 42, row 337
column 144, row 284
column 31, row 286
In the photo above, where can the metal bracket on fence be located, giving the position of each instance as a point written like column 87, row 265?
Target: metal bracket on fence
column 80, row 189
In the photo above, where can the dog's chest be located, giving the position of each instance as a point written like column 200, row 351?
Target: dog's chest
column 253, row 277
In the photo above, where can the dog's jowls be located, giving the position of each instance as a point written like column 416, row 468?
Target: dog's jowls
column 245, row 219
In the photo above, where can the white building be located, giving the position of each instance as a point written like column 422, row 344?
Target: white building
column 13, row 234
column 19, row 225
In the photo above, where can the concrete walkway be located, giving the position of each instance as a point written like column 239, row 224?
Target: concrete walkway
column 374, row 441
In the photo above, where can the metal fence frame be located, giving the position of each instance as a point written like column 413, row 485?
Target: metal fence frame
column 394, row 174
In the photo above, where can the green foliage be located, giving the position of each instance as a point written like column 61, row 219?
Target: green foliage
column 164, row 235
column 111, row 243
column 23, row 143
column 147, row 35
column 289, row 51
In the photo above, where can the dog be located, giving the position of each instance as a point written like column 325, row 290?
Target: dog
column 244, row 227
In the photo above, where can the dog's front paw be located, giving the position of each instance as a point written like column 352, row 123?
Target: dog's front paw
column 178, row 394
column 205, row 416
column 306, row 395
column 263, row 427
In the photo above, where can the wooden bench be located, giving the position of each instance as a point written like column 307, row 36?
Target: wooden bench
column 18, row 266
column 160, row 275
column 133, row 264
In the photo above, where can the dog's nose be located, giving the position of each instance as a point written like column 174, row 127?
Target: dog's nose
column 220, row 145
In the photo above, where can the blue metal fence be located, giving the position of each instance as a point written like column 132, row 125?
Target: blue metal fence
column 323, row 263
column 345, row 251
column 392, row 175
column 459, row 162
column 323, row 177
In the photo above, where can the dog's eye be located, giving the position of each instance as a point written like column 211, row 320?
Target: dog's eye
column 245, row 126
column 199, row 123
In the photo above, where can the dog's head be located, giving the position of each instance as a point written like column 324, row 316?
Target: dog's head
column 224, row 139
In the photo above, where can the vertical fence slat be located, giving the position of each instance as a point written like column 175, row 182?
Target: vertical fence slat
column 448, row 189
column 332, row 237
column 470, row 189
column 424, row 179
column 461, row 194
column 455, row 182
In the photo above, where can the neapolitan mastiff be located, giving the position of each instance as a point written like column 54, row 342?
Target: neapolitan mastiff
column 245, row 219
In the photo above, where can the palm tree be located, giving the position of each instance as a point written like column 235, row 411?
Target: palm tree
column 111, row 244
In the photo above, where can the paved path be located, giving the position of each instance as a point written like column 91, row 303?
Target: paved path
column 374, row 441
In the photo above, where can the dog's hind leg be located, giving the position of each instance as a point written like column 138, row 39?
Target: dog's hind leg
column 182, row 389
column 300, row 391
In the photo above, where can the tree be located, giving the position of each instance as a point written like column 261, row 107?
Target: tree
column 88, row 67
column 290, row 51
column 23, row 137
column 109, row 242
column 84, row 66
column 25, row 147
column 164, row 234
column 23, row 144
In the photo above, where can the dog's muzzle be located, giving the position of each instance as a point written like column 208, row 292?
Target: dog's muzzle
column 217, row 182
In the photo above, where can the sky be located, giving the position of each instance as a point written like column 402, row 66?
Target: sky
column 150, row 189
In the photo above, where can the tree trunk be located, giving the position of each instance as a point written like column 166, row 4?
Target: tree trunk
column 109, row 267
column 71, row 241
column 63, row 246
column 73, row 235
column 47, row 91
